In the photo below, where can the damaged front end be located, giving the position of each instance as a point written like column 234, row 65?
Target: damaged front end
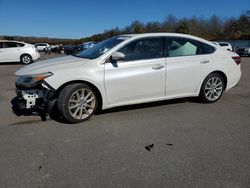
column 34, row 95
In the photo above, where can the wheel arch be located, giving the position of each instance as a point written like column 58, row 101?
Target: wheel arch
column 25, row 54
column 91, row 85
column 223, row 75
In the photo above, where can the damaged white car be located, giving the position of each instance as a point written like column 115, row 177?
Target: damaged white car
column 125, row 70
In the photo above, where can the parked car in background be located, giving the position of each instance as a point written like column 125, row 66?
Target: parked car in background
column 41, row 47
column 243, row 51
column 75, row 49
column 53, row 47
column 86, row 45
column 58, row 49
column 14, row 51
column 128, row 69
column 225, row 45
column 71, row 49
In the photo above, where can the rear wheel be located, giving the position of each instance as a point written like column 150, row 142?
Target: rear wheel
column 26, row 59
column 212, row 88
column 77, row 102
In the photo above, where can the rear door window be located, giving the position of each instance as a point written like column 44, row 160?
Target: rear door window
column 178, row 46
column 20, row 44
column 11, row 45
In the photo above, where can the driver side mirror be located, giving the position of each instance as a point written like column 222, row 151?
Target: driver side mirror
column 117, row 56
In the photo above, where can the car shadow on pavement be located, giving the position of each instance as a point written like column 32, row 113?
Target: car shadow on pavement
column 11, row 63
column 26, row 122
column 18, row 110
column 147, row 105
column 56, row 116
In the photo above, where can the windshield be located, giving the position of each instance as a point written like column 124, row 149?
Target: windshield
column 101, row 48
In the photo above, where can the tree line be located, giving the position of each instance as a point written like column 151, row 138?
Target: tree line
column 33, row 40
column 212, row 28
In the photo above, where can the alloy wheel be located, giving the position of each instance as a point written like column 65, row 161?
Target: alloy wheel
column 213, row 88
column 26, row 59
column 81, row 103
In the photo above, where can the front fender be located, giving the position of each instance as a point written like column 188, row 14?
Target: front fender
column 94, row 77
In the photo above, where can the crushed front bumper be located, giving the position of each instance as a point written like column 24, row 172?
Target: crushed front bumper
column 34, row 99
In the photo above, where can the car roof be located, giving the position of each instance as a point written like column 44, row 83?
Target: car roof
column 223, row 42
column 88, row 42
column 12, row 41
column 159, row 34
column 156, row 34
column 168, row 34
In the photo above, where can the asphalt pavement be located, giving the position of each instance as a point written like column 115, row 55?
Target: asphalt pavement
column 188, row 144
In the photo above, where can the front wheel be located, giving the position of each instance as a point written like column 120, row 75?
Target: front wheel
column 212, row 88
column 77, row 102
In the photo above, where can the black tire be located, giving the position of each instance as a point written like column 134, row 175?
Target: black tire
column 26, row 59
column 69, row 93
column 204, row 92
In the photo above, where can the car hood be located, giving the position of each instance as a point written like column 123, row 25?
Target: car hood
column 51, row 65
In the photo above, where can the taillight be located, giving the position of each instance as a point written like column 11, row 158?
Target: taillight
column 35, row 49
column 237, row 59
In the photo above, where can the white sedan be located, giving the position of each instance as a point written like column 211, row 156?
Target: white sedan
column 225, row 45
column 14, row 51
column 128, row 69
column 41, row 47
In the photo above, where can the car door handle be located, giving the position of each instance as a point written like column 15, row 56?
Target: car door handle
column 157, row 67
column 205, row 61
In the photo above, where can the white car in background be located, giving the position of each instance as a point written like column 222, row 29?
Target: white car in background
column 225, row 45
column 42, row 46
column 14, row 51
column 128, row 69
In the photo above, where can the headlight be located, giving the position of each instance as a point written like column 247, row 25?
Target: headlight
column 32, row 79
